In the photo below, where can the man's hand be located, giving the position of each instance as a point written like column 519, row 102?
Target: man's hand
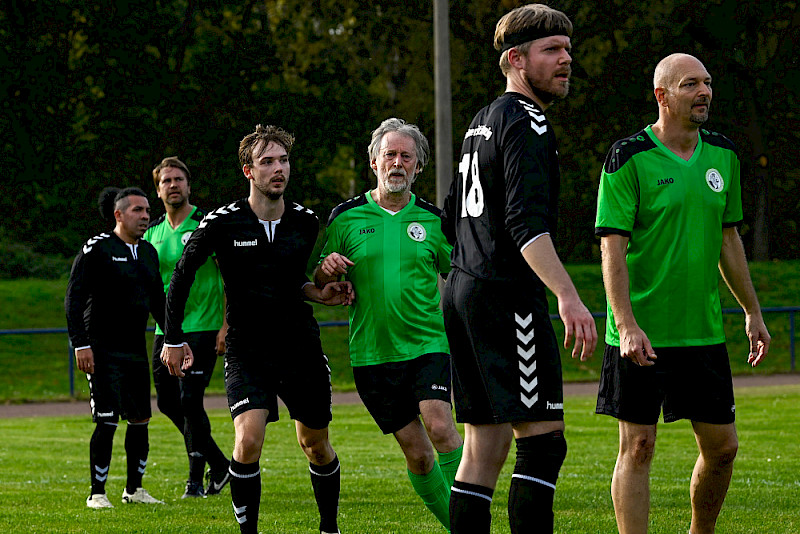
column 578, row 324
column 85, row 360
column 177, row 359
column 759, row 338
column 635, row 346
column 221, row 339
column 335, row 265
column 332, row 294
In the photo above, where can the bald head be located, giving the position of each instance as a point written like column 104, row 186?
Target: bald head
column 670, row 70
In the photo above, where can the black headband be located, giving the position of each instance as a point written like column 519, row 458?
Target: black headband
column 531, row 33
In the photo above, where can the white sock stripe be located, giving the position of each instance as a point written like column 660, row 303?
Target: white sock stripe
column 247, row 475
column 324, row 474
column 533, row 479
column 473, row 493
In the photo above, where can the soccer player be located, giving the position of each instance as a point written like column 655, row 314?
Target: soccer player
column 667, row 216
column 389, row 244
column 500, row 213
column 262, row 244
column 113, row 286
column 181, row 399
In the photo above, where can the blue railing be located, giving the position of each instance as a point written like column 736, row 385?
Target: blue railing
column 791, row 310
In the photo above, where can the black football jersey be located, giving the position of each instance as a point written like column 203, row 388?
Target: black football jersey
column 505, row 190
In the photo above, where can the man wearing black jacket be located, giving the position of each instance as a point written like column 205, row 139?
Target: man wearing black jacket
column 113, row 287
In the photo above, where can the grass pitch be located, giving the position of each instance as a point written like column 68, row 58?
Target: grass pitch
column 44, row 476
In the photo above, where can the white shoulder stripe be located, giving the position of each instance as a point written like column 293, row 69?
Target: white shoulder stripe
column 224, row 210
column 90, row 243
column 538, row 119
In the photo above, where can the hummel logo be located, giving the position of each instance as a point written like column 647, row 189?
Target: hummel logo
column 240, row 403
column 252, row 243
column 118, row 259
column 555, row 405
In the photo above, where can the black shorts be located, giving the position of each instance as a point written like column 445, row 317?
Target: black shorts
column 689, row 382
column 392, row 391
column 506, row 362
column 119, row 388
column 296, row 372
column 204, row 349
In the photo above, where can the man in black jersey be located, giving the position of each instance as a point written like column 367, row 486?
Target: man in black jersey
column 113, row 287
column 500, row 213
column 262, row 244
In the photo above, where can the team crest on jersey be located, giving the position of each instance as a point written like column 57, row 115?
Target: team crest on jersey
column 714, row 180
column 185, row 237
column 416, row 232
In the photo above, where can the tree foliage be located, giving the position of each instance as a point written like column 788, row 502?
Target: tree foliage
column 96, row 93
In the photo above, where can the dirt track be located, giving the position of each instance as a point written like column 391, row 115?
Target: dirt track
column 55, row 409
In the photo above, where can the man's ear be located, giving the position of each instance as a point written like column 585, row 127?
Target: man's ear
column 515, row 59
column 661, row 96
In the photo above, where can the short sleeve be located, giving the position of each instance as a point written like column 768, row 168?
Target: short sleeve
column 617, row 200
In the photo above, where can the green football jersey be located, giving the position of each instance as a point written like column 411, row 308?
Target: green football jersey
column 673, row 211
column 206, row 303
column 397, row 258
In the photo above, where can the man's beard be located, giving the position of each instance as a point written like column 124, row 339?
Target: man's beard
column 178, row 203
column 272, row 195
column 547, row 97
column 698, row 118
column 396, row 187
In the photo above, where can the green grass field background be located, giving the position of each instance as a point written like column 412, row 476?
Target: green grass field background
column 44, row 477
column 35, row 367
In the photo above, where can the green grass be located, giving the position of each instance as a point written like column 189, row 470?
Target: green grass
column 45, row 475
column 36, row 367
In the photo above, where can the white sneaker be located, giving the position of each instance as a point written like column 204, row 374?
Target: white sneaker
column 140, row 495
column 98, row 500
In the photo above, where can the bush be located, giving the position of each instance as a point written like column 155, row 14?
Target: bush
column 21, row 261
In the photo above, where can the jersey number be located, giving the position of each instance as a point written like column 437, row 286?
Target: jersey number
column 472, row 202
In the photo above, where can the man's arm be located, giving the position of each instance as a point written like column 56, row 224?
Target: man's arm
column 331, row 269
column 176, row 354
column 578, row 321
column 633, row 342
column 331, row 294
column 733, row 267
column 74, row 304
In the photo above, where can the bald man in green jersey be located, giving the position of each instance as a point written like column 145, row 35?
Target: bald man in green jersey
column 667, row 214
column 389, row 244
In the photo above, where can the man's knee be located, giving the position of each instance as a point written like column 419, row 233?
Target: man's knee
column 638, row 449
column 419, row 459
column 248, row 447
column 316, row 446
column 724, row 454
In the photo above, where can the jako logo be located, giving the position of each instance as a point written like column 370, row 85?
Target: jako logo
column 252, row 243
column 366, row 231
column 240, row 403
column 666, row 181
column 440, row 388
